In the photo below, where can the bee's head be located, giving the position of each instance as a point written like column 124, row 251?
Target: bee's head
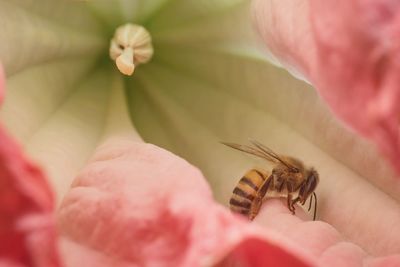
column 308, row 186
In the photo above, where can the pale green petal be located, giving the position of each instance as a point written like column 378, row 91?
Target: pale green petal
column 114, row 13
column 189, row 11
column 158, row 15
column 59, row 104
column 72, row 14
column 56, row 101
column 61, row 111
column 29, row 38
column 35, row 94
column 188, row 108
column 69, row 136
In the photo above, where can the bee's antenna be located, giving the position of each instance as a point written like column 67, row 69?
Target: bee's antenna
column 315, row 205
column 309, row 205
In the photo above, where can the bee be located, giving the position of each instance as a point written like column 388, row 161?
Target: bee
column 288, row 176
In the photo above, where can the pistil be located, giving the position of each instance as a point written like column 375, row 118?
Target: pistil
column 130, row 46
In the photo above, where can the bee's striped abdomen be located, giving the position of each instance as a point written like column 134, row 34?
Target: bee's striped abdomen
column 245, row 191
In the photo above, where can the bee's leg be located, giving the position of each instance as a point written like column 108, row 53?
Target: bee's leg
column 290, row 200
column 290, row 203
column 309, row 204
column 294, row 201
column 315, row 206
column 256, row 204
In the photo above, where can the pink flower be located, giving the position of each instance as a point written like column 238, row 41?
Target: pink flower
column 136, row 204
column 349, row 50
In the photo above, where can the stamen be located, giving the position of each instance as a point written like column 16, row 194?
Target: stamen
column 130, row 46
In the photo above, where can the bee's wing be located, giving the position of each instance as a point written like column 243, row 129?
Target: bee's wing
column 268, row 152
column 251, row 150
column 261, row 151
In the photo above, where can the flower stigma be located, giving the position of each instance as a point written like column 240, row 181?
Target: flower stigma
column 130, row 46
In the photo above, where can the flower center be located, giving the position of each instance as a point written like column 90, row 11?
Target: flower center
column 130, row 46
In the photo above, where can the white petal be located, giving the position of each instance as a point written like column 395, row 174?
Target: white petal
column 70, row 135
column 33, row 95
column 115, row 13
column 28, row 38
column 75, row 115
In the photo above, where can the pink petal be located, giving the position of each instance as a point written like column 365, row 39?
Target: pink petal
column 350, row 51
column 27, row 230
column 138, row 205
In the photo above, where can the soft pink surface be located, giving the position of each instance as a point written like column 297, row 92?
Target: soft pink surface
column 138, row 205
column 27, row 233
column 350, row 51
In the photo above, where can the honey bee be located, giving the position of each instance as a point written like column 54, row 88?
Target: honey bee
column 288, row 176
